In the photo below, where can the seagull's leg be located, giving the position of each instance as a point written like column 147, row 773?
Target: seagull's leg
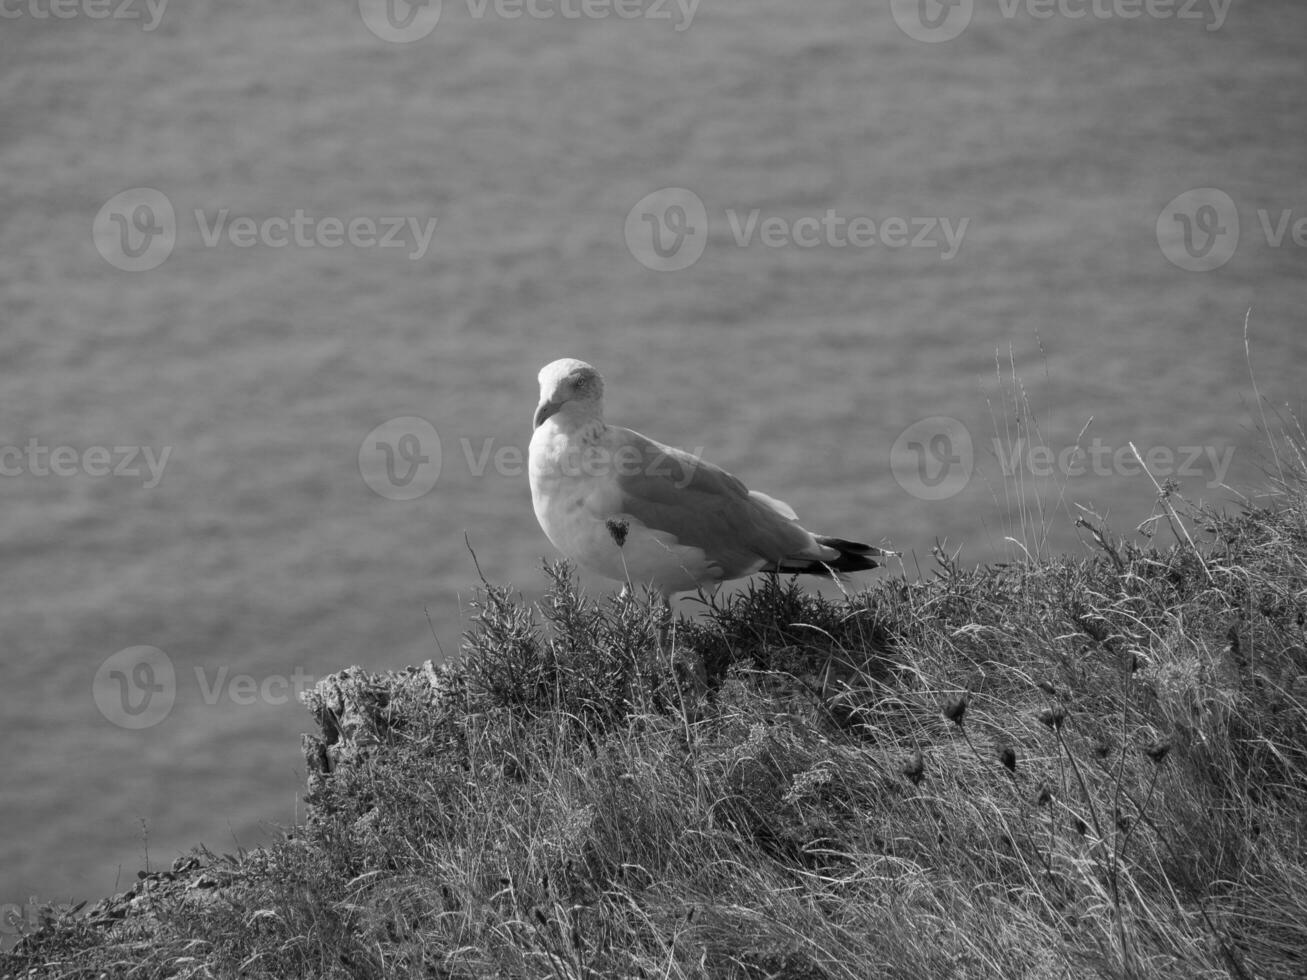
column 666, row 642
column 698, row 677
column 663, row 627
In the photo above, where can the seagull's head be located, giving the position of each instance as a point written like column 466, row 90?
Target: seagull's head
column 569, row 383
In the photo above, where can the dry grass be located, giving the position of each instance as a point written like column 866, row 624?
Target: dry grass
column 1060, row 768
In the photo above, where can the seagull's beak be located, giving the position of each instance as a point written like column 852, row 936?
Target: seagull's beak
column 546, row 409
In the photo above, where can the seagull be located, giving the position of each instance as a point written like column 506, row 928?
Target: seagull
column 631, row 509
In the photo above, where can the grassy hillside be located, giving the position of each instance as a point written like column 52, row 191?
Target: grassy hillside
column 1084, row 767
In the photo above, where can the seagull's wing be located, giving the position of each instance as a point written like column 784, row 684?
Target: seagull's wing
column 705, row 507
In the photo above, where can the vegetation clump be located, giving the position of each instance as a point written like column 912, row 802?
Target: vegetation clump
column 1064, row 767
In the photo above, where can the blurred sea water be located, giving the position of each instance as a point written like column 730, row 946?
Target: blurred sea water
column 263, row 559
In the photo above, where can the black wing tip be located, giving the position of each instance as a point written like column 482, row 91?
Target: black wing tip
column 851, row 549
column 854, row 556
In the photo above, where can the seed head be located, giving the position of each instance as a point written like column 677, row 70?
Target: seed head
column 1052, row 717
column 915, row 768
column 956, row 710
column 1008, row 756
column 617, row 528
column 1158, row 750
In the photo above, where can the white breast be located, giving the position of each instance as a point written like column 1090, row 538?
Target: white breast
column 579, row 508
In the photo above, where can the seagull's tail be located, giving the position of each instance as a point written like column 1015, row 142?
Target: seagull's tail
column 853, row 556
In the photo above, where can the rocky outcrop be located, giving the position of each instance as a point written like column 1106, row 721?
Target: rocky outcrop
column 360, row 713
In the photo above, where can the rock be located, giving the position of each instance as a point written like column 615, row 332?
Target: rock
column 361, row 713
